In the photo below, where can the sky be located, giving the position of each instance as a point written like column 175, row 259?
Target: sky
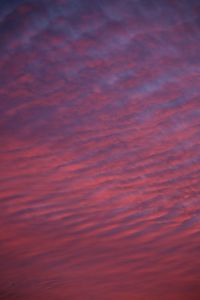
column 100, row 150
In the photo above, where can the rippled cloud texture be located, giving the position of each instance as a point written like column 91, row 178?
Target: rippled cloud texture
column 100, row 150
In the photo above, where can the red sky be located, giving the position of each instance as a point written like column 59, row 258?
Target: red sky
column 99, row 150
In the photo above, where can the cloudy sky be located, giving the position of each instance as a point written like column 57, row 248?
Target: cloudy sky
column 100, row 149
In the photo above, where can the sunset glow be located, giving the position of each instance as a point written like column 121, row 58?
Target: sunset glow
column 100, row 150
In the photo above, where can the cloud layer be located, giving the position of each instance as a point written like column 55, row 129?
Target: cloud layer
column 100, row 130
